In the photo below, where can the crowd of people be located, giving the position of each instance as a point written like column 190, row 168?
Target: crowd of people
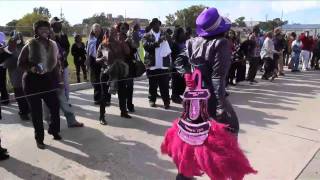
column 38, row 69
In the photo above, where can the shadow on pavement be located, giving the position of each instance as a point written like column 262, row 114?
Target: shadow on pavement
column 27, row 171
column 119, row 157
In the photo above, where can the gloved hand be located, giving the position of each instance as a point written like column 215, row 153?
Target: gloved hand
column 220, row 113
column 189, row 81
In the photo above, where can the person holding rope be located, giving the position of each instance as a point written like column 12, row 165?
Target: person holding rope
column 4, row 54
column 38, row 59
column 157, row 61
column 133, row 42
column 94, row 40
column 65, row 105
column 16, row 43
column 111, row 54
column 3, row 76
column 62, row 40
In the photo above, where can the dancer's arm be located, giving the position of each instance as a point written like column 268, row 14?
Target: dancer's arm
column 220, row 66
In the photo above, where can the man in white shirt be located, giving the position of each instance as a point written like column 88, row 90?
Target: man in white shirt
column 157, row 61
column 267, row 52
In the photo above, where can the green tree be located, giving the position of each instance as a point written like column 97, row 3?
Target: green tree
column 272, row 24
column 120, row 18
column 11, row 25
column 66, row 28
column 97, row 18
column 25, row 24
column 239, row 22
column 42, row 11
column 170, row 20
column 185, row 17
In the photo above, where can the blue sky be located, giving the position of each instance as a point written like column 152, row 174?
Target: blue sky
column 307, row 12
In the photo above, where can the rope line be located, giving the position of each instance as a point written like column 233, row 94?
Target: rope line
column 103, row 82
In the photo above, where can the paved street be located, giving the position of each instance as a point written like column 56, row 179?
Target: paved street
column 280, row 133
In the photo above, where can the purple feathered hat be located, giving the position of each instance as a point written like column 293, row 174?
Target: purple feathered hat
column 210, row 23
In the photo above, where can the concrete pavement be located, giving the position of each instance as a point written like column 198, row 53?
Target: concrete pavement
column 279, row 133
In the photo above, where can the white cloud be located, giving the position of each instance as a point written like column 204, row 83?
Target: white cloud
column 293, row 6
column 249, row 9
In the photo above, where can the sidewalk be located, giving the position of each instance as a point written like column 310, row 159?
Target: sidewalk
column 312, row 170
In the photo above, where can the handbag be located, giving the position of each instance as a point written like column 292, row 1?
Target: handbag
column 139, row 67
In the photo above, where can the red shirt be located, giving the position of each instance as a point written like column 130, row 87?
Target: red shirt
column 307, row 43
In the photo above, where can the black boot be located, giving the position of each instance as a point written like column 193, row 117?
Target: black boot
column 103, row 120
column 182, row 177
column 41, row 145
column 176, row 99
column 4, row 156
column 131, row 108
column 24, row 117
column 125, row 115
column 3, row 150
column 56, row 136
column 167, row 105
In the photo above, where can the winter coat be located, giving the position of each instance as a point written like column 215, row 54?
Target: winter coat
column 78, row 53
column 34, row 53
column 213, row 59
column 15, row 73
column 112, row 57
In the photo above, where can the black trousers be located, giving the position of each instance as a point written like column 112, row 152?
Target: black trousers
column 315, row 61
column 158, row 78
column 241, row 71
column 80, row 66
column 3, row 85
column 237, row 71
column 286, row 56
column 125, row 93
column 232, row 73
column 105, row 96
column 253, row 68
column 36, row 87
column 270, row 66
column 95, row 70
column 21, row 100
column 178, row 84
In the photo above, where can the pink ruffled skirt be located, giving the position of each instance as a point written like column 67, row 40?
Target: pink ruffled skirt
column 219, row 156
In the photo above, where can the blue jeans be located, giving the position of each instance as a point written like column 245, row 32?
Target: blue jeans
column 66, row 82
column 64, row 106
column 295, row 62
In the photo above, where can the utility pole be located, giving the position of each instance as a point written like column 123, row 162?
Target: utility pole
column 266, row 17
column 281, row 18
column 61, row 14
column 125, row 15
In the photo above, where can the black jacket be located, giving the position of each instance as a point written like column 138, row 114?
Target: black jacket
column 63, row 42
column 78, row 52
column 213, row 59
